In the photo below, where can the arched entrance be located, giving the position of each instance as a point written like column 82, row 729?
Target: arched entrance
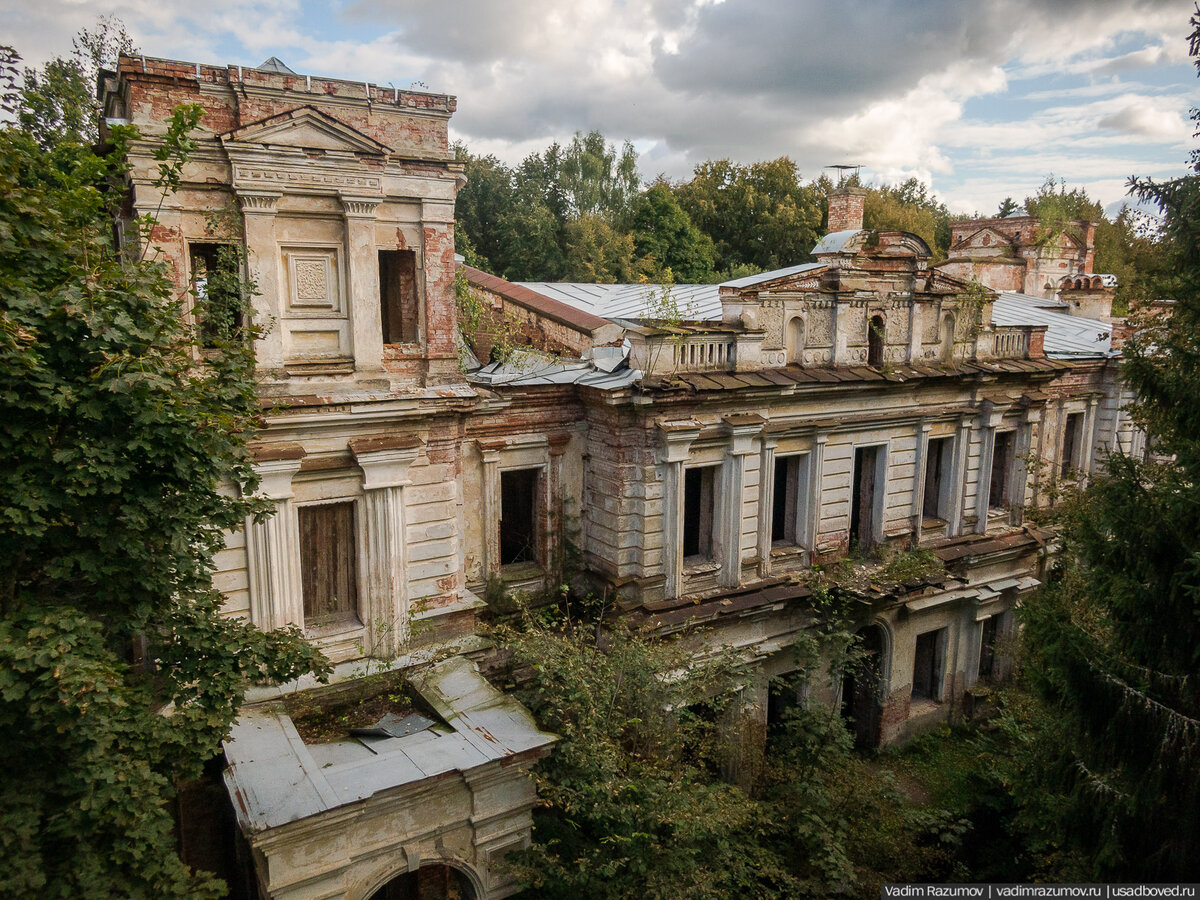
column 432, row 882
column 862, row 688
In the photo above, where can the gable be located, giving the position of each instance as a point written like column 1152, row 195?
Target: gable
column 306, row 128
column 808, row 280
column 985, row 237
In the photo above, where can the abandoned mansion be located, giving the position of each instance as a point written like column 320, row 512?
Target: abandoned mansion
column 702, row 447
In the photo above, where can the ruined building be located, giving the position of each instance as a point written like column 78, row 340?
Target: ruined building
column 865, row 400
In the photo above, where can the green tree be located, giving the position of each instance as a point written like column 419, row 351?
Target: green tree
column 124, row 461
column 597, row 252
column 758, row 215
column 665, row 238
column 909, row 207
column 595, row 178
column 1007, row 207
column 58, row 102
column 1113, row 643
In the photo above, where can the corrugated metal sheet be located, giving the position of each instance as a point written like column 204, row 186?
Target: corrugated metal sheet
column 1067, row 336
column 630, row 301
column 751, row 280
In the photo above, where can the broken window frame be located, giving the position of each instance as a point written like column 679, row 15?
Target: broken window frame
column 875, row 509
column 928, row 679
column 400, row 316
column 530, row 552
column 790, row 500
column 1001, row 472
column 939, row 463
column 987, row 648
column 210, row 252
column 1072, row 443
column 698, row 532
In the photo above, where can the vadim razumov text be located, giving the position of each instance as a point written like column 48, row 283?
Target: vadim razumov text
column 999, row 891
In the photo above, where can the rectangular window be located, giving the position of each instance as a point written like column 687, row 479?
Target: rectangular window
column 398, row 295
column 518, row 516
column 1002, row 457
column 216, row 282
column 329, row 564
column 927, row 665
column 987, row 648
column 938, row 463
column 788, row 502
column 698, row 513
column 863, row 511
column 1072, row 440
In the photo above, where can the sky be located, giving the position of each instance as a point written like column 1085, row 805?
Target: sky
column 981, row 100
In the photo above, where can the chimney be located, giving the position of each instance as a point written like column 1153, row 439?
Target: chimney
column 846, row 209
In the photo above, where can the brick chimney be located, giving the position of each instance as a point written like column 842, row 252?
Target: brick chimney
column 846, row 209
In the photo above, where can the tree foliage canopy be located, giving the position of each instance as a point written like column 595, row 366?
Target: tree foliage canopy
column 1114, row 641
column 124, row 460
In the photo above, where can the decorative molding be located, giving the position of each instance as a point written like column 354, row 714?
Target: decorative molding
column 359, row 206
column 305, row 178
column 260, row 202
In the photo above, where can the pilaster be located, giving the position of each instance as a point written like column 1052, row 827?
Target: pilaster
column 766, row 496
column 919, row 473
column 273, row 544
column 489, row 454
column 258, row 213
column 677, row 438
column 743, row 430
column 362, row 269
column 384, row 462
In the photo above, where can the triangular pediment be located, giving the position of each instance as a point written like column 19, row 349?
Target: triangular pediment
column 809, row 280
column 305, row 128
column 985, row 237
column 939, row 282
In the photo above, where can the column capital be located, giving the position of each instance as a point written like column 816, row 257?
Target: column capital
column 359, row 207
column 259, row 202
column 385, row 459
column 275, row 465
column 742, row 430
column 677, row 437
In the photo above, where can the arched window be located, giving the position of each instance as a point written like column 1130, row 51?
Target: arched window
column 875, row 335
column 794, row 340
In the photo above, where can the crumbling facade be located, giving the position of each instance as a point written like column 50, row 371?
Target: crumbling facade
column 867, row 402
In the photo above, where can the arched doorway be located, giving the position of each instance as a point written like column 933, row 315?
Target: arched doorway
column 432, row 882
column 862, row 689
column 875, row 335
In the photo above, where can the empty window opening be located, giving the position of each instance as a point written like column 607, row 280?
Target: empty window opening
column 875, row 335
column 863, row 510
column 429, row 882
column 862, row 692
column 1072, row 432
column 698, row 508
column 787, row 504
column 987, row 648
column 785, row 698
column 938, row 459
column 398, row 295
column 1002, row 457
column 518, row 516
column 927, row 665
column 216, row 282
column 328, row 564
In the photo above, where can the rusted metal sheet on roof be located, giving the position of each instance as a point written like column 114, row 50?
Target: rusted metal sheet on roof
column 700, row 382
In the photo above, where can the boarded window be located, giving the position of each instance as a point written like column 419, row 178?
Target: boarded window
column 518, row 516
column 1002, row 457
column 927, row 665
column 398, row 295
column 788, row 503
column 863, row 503
column 328, row 563
column 1072, row 432
column 987, row 647
column 698, row 513
column 875, row 335
column 935, row 504
column 216, row 283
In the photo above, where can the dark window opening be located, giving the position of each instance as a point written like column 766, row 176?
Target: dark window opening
column 927, row 665
column 518, row 516
column 398, row 295
column 862, row 499
column 862, row 689
column 1002, row 457
column 937, row 475
column 987, row 648
column 1071, row 443
column 875, row 335
column 784, row 698
column 328, row 563
column 787, row 504
column 217, row 284
column 698, row 513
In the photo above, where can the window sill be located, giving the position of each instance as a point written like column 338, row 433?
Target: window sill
column 786, row 551
column 695, row 565
column 333, row 630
